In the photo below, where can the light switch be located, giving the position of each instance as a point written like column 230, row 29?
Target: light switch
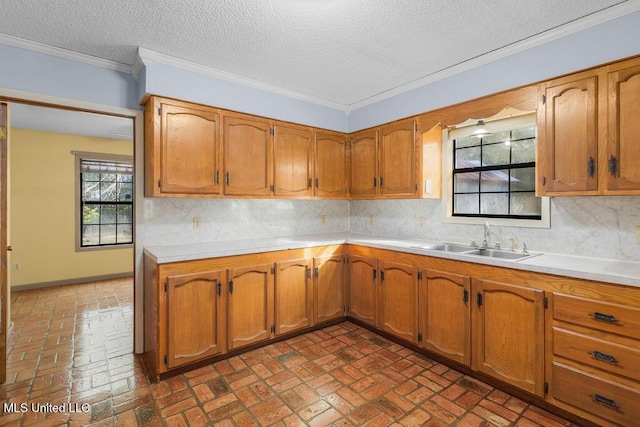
column 197, row 223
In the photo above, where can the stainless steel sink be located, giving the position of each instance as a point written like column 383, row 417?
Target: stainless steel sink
column 445, row 247
column 496, row 253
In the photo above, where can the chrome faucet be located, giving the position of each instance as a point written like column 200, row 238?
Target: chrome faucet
column 487, row 235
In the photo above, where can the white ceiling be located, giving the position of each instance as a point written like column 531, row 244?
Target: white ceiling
column 340, row 51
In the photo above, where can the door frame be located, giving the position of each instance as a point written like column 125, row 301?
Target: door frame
column 15, row 96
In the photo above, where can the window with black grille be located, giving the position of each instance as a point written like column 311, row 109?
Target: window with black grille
column 494, row 175
column 106, row 202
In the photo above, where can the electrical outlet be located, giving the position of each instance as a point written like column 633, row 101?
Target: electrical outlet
column 428, row 186
column 197, row 223
column 16, row 266
column 421, row 221
column 323, row 218
column 638, row 234
column 371, row 219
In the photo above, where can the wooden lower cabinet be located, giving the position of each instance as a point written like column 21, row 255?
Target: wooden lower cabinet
column 445, row 314
column 509, row 334
column 399, row 300
column 330, row 289
column 293, row 296
column 250, row 304
column 363, row 289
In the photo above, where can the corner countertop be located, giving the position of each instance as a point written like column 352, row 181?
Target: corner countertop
column 599, row 269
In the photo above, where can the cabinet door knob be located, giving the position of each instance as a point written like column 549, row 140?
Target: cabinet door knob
column 9, row 248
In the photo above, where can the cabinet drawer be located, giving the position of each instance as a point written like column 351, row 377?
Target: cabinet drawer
column 591, row 393
column 611, row 357
column 603, row 316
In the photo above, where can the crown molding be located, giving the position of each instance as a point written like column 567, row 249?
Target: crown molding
column 64, row 53
column 147, row 57
column 580, row 24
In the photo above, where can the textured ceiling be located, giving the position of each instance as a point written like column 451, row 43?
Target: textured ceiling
column 342, row 51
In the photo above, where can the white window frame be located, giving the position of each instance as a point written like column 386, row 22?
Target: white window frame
column 508, row 118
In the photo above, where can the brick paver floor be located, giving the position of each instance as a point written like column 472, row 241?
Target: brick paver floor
column 73, row 345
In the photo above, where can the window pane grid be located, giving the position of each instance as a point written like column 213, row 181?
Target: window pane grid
column 106, row 207
column 494, row 175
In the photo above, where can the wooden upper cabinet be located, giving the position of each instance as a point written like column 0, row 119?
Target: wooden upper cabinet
column 293, row 296
column 194, row 323
column 399, row 300
column 509, row 334
column 250, row 304
column 331, row 166
column 182, row 149
column 248, row 156
column 292, row 161
column 364, row 165
column 363, row 289
column 568, row 139
column 398, row 167
column 329, row 288
column 623, row 145
column 445, row 310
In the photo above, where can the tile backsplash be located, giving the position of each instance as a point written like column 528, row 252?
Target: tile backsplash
column 586, row 226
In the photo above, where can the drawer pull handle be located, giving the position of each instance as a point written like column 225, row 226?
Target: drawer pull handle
column 605, row 401
column 603, row 317
column 604, row 356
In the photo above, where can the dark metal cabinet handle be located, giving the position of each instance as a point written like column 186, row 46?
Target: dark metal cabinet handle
column 613, row 165
column 604, row 356
column 603, row 317
column 375, row 182
column 591, row 167
column 604, row 400
column 465, row 296
column 479, row 299
column 217, row 177
column 381, row 181
column 227, row 178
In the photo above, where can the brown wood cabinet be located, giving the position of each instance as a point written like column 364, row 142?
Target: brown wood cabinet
column 182, row 146
column 200, row 334
column 330, row 289
column 509, row 334
column 596, row 343
column 445, row 314
column 399, row 300
column 248, row 156
column 568, row 137
column 398, row 168
column 363, row 289
column 292, row 161
column 588, row 132
column 364, row 164
column 331, row 165
column 250, row 304
column 623, row 146
column 293, row 296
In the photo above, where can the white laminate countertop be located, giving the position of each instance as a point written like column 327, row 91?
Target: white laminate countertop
column 599, row 269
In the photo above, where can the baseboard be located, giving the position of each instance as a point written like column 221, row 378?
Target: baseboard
column 74, row 281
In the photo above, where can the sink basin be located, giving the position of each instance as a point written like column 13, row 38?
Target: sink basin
column 445, row 247
column 495, row 253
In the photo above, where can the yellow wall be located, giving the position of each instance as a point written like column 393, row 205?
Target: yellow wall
column 42, row 209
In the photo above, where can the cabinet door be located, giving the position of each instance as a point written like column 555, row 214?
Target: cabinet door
column 398, row 167
column 399, row 300
column 189, row 150
column 445, row 311
column 331, row 166
column 363, row 289
column 292, row 151
column 194, row 327
column 509, row 334
column 250, row 304
column 364, row 165
column 329, row 288
column 247, row 156
column 570, row 143
column 293, row 296
column 623, row 151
